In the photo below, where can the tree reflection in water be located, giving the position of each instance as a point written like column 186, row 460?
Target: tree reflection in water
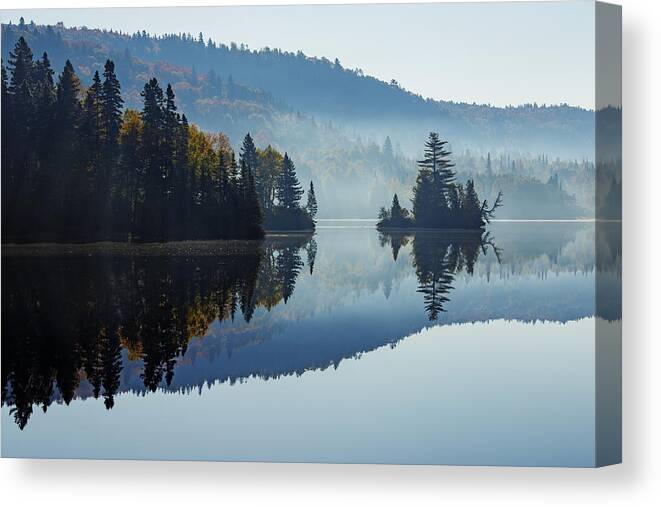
column 437, row 258
column 68, row 314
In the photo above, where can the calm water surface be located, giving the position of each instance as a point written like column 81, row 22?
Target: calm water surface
column 345, row 346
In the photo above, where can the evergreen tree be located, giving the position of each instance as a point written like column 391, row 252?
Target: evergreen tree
column 174, row 190
column 152, row 145
column 111, row 107
column 45, row 104
column 21, row 138
column 423, row 200
column 395, row 209
column 437, row 174
column 471, row 207
column 21, row 66
column 93, row 191
column 311, row 206
column 249, row 152
column 111, row 122
column 66, row 178
column 267, row 174
column 252, row 216
column 289, row 189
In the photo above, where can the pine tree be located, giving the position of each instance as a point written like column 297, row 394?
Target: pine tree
column 152, row 144
column 66, row 177
column 45, row 103
column 92, row 185
column 21, row 66
column 252, row 216
column 471, row 208
column 436, row 160
column 20, row 142
column 249, row 152
column 430, row 205
column 267, row 173
column 174, row 190
column 249, row 156
column 395, row 209
column 289, row 189
column 311, row 206
column 111, row 107
column 111, row 123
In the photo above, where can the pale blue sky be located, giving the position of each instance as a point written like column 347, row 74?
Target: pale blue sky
column 498, row 53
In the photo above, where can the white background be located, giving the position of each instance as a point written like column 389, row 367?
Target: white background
column 636, row 482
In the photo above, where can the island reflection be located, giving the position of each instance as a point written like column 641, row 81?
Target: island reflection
column 97, row 320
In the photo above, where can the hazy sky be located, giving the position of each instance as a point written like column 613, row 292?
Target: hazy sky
column 498, row 53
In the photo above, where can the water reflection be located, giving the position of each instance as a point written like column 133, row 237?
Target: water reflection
column 437, row 258
column 68, row 314
column 95, row 321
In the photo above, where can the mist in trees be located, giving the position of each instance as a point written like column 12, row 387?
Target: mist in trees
column 439, row 202
column 78, row 167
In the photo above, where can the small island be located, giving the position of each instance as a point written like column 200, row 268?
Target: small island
column 439, row 202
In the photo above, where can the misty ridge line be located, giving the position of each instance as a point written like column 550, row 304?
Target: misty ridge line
column 244, row 48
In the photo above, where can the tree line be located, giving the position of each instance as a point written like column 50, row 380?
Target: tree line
column 78, row 167
column 439, row 201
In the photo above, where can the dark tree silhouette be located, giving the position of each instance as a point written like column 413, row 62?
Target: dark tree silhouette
column 311, row 205
column 289, row 189
column 439, row 202
column 76, row 167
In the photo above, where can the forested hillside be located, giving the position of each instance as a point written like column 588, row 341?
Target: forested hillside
column 327, row 90
column 356, row 136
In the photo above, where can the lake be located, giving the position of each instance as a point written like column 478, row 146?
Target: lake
column 345, row 346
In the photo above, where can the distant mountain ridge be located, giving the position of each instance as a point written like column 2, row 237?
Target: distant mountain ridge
column 328, row 91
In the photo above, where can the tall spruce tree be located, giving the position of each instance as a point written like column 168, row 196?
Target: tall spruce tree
column 289, row 191
column 249, row 152
column 152, row 145
column 20, row 142
column 435, row 177
column 92, row 188
column 111, row 123
column 311, row 205
column 66, row 178
column 251, row 211
column 174, row 190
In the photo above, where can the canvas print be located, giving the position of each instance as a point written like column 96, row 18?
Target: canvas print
column 325, row 233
